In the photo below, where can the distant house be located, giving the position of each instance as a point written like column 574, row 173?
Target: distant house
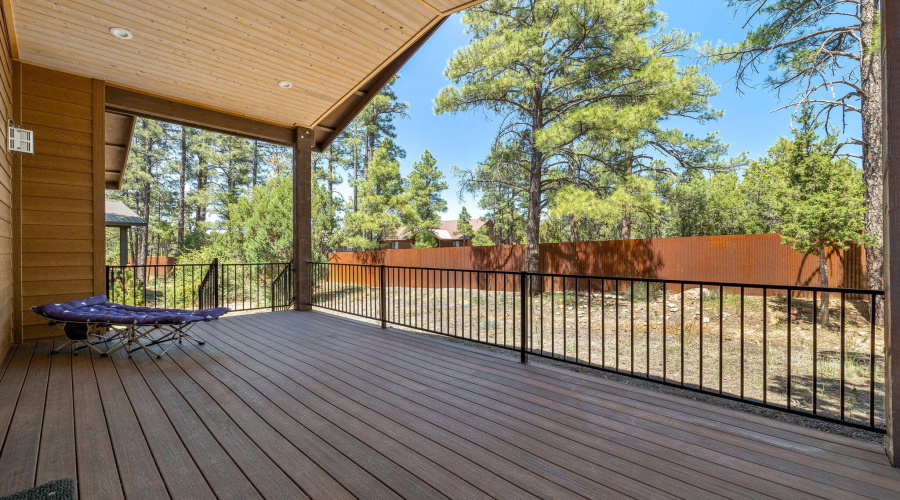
column 446, row 235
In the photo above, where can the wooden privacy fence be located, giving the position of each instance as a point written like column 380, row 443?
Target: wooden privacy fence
column 759, row 259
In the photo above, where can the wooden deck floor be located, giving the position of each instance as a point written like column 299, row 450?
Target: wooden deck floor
column 293, row 405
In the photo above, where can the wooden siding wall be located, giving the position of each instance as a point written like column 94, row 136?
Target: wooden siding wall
column 62, row 192
column 757, row 259
column 6, row 196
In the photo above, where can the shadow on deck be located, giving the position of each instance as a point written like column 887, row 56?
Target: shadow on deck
column 295, row 405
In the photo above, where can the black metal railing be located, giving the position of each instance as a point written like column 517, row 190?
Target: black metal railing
column 283, row 288
column 807, row 350
column 241, row 287
column 208, row 291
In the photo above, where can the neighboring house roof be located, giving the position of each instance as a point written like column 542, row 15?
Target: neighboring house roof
column 118, row 215
column 445, row 231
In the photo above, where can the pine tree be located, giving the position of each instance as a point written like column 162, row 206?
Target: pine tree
column 560, row 72
column 826, row 54
column 423, row 201
column 463, row 224
column 380, row 202
column 824, row 196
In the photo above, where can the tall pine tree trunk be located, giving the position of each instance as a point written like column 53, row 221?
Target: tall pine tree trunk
column 823, row 298
column 201, row 186
column 533, row 226
column 182, row 180
column 255, row 172
column 626, row 226
column 873, row 175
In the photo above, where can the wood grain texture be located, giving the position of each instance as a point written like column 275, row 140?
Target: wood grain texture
column 183, row 54
column 890, row 18
column 297, row 405
column 62, row 192
column 9, row 193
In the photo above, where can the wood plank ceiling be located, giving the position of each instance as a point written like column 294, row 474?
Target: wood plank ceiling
column 229, row 55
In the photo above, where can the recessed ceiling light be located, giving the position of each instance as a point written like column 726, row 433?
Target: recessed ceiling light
column 122, row 33
column 285, row 84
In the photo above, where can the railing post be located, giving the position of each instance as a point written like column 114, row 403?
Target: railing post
column 523, row 313
column 216, row 282
column 382, row 288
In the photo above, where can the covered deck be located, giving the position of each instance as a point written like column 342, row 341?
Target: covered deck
column 297, row 405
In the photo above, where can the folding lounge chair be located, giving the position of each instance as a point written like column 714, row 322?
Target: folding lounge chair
column 94, row 321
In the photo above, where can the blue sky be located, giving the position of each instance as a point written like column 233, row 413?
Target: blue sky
column 464, row 139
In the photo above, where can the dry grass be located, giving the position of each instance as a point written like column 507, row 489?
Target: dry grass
column 647, row 336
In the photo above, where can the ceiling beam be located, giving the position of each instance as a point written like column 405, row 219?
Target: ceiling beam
column 343, row 112
column 158, row 108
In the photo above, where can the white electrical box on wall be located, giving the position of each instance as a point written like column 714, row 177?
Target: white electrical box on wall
column 21, row 140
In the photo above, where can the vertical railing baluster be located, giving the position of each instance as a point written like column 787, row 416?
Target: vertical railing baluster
column 523, row 341
column 843, row 353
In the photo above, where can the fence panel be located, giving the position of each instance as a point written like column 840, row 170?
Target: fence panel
column 758, row 258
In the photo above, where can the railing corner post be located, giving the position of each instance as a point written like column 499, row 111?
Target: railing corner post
column 216, row 281
column 382, row 290
column 523, row 313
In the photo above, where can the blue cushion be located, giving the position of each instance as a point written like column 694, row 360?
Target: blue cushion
column 99, row 310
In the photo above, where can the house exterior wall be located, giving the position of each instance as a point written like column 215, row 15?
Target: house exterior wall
column 63, row 208
column 7, row 303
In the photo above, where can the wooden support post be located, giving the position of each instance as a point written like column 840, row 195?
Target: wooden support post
column 891, row 46
column 303, row 144
column 123, row 246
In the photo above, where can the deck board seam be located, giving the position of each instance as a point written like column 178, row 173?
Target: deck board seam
column 106, row 422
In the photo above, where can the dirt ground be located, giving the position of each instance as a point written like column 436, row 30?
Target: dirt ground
column 739, row 347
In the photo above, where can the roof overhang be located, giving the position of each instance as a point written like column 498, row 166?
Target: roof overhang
column 227, row 57
column 119, row 214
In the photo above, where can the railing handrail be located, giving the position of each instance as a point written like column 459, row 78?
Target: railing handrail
column 797, row 288
column 200, row 264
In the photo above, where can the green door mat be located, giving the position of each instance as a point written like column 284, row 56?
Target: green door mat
column 60, row 489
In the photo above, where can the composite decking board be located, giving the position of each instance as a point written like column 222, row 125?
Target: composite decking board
column 577, row 443
column 844, row 460
column 739, row 421
column 11, row 386
column 800, row 476
column 377, row 453
column 377, row 409
column 176, row 458
column 56, row 459
column 138, row 468
column 578, row 475
column 267, row 478
column 850, row 483
column 592, row 463
column 437, row 446
column 354, row 477
column 177, row 468
column 18, row 460
column 305, row 472
column 98, row 471
column 600, row 437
